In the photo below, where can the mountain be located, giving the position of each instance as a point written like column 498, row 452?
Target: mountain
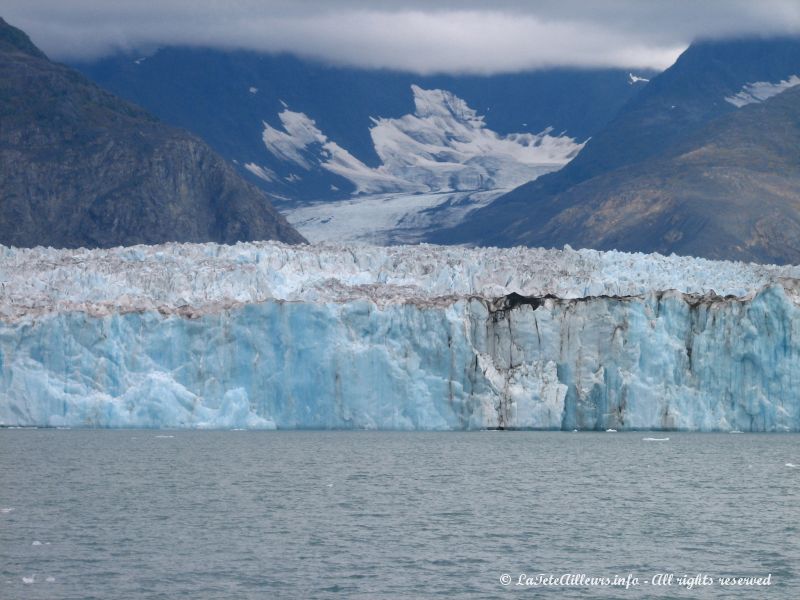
column 227, row 97
column 81, row 167
column 730, row 191
column 660, row 178
column 403, row 153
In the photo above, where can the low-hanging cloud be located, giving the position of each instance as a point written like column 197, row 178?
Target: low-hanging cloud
column 453, row 36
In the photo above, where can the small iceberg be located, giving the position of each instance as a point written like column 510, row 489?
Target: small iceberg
column 792, row 466
column 611, row 431
column 652, row 439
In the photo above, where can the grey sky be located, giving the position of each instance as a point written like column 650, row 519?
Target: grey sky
column 422, row 36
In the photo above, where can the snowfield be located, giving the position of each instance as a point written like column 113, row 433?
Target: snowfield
column 265, row 335
column 758, row 91
column 436, row 165
column 444, row 146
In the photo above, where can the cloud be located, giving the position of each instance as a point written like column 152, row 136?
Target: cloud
column 452, row 36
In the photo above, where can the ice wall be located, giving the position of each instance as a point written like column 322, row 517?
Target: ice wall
column 265, row 335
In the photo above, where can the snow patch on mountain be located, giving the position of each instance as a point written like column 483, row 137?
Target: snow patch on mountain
column 299, row 132
column 632, row 79
column 758, row 91
column 444, row 146
column 260, row 171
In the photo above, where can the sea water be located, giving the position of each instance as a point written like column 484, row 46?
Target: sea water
column 240, row 514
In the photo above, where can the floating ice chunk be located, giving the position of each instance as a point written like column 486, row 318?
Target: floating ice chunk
column 653, row 439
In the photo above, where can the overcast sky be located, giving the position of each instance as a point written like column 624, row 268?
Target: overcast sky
column 424, row 36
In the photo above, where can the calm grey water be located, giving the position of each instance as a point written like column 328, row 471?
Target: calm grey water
column 134, row 514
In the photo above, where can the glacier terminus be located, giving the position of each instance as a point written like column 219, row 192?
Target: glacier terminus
column 265, row 336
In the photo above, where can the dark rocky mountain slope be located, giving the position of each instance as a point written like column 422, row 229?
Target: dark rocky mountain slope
column 681, row 168
column 81, row 167
column 730, row 191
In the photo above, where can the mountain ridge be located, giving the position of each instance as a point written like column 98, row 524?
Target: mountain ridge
column 669, row 113
column 730, row 191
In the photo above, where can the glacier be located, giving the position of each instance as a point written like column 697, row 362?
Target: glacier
column 266, row 336
column 436, row 165
column 444, row 146
column 386, row 219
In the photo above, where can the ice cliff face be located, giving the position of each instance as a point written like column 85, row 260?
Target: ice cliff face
column 267, row 335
